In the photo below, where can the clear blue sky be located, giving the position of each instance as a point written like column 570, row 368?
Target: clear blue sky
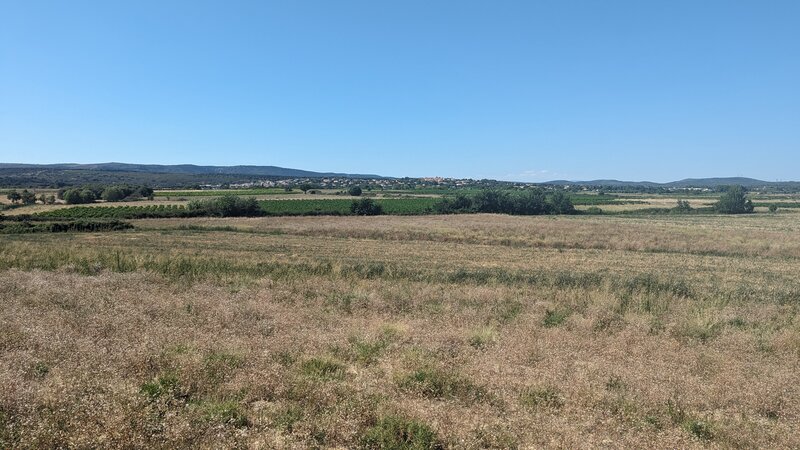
column 521, row 90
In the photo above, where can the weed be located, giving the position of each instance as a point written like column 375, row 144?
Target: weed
column 218, row 366
column 555, row 317
column 323, row 369
column 397, row 433
column 482, row 337
column 700, row 429
column 435, row 383
column 287, row 417
column 542, row 397
column 224, row 412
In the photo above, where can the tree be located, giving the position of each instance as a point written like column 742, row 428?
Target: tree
column 773, row 208
column 113, row 194
column 561, row 203
column 355, row 191
column 51, row 199
column 28, row 197
column 530, row 202
column 72, row 196
column 14, row 196
column 305, row 187
column 734, row 201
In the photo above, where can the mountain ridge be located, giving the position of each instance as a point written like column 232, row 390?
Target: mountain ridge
column 252, row 170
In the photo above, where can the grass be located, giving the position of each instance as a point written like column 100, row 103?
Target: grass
column 469, row 331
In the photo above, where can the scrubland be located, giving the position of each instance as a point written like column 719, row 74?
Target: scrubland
column 464, row 331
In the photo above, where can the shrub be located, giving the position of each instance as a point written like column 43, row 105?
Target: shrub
column 355, row 191
column 366, row 207
column 773, row 208
column 683, row 206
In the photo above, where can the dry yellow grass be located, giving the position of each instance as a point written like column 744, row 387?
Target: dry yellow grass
column 491, row 331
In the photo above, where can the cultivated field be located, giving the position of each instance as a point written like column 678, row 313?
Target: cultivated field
column 463, row 331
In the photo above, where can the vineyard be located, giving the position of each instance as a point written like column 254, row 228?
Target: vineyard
column 220, row 192
column 116, row 212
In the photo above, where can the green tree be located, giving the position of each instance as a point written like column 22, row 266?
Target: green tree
column 355, row 191
column 561, row 203
column 734, row 201
column 14, row 196
column 28, row 197
column 112, row 194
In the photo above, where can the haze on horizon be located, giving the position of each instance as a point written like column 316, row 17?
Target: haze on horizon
column 524, row 91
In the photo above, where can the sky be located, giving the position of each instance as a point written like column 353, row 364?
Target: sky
column 530, row 90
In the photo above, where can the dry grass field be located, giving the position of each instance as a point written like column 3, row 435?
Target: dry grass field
column 469, row 331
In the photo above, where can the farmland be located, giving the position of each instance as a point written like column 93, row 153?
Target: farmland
column 461, row 331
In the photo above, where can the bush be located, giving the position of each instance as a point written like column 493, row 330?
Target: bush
column 734, row 201
column 683, row 206
column 355, row 191
column 366, row 207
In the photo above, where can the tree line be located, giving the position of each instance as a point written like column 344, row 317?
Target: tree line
column 114, row 193
column 528, row 202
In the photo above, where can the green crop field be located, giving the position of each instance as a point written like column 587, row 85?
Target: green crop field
column 220, row 192
column 114, row 212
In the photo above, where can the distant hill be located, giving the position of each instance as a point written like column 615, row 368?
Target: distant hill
column 157, row 176
column 685, row 183
column 265, row 171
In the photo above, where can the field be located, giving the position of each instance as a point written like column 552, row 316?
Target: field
column 468, row 331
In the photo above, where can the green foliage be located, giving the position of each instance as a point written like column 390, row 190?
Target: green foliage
column 560, row 203
column 542, row 397
column 482, row 337
column 366, row 207
column 14, row 196
column 355, row 191
column 342, row 207
column 734, row 201
column 166, row 386
column 683, row 206
column 323, row 369
column 528, row 202
column 112, row 194
column 773, row 208
column 435, row 383
column 63, row 227
column 225, row 413
column 226, row 206
column 555, row 317
column 28, row 197
column 396, row 433
column 699, row 429
column 117, row 212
